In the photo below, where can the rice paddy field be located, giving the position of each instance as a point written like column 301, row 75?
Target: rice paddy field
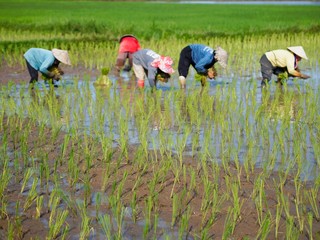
column 227, row 161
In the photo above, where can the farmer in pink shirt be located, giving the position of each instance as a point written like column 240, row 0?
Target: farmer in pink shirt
column 129, row 44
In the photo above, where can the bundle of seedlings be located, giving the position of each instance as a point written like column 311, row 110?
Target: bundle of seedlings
column 56, row 74
column 103, row 79
column 203, row 77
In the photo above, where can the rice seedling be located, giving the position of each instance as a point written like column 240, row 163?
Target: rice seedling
column 298, row 204
column 312, row 197
column 175, row 209
column 291, row 231
column 133, row 205
column 260, row 199
column 39, row 206
column 26, row 178
column 57, row 220
column 11, row 231
column 229, row 224
column 148, row 215
column 310, row 223
column 184, row 223
column 106, row 223
column 264, row 228
column 32, row 195
column 279, row 210
column 85, row 228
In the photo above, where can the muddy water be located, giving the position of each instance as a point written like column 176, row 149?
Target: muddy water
column 240, row 84
column 216, row 137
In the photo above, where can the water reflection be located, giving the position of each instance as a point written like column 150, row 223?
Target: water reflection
column 281, row 105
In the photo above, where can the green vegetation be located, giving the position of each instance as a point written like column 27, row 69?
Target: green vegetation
column 62, row 20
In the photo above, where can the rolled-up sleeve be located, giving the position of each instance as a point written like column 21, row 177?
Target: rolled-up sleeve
column 45, row 65
column 290, row 65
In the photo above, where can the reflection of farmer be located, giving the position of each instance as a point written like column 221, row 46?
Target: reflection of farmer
column 282, row 61
column 280, row 105
column 156, row 67
column 129, row 44
column 42, row 60
column 202, row 58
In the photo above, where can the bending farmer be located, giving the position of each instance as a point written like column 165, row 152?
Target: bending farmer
column 202, row 58
column 155, row 67
column 129, row 44
column 282, row 61
column 42, row 60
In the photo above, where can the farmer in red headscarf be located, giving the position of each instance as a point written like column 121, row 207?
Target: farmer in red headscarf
column 129, row 44
column 156, row 67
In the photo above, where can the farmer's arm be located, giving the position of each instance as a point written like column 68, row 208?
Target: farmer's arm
column 294, row 72
column 152, row 72
column 45, row 65
column 204, row 61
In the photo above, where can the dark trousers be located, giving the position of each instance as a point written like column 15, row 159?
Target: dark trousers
column 121, row 59
column 267, row 69
column 185, row 61
column 33, row 73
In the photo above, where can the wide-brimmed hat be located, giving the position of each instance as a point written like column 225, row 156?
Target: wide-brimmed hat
column 126, row 35
column 222, row 56
column 61, row 55
column 164, row 63
column 298, row 50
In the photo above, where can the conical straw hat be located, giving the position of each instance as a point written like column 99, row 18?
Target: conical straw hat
column 61, row 55
column 298, row 50
column 222, row 56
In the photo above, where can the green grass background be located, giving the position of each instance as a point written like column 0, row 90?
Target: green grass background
column 156, row 20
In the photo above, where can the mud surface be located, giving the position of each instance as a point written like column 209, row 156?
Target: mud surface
column 105, row 181
column 19, row 74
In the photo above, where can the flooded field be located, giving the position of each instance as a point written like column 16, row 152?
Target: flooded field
column 228, row 161
column 125, row 163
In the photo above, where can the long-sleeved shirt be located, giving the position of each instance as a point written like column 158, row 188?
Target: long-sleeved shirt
column 282, row 58
column 145, row 57
column 203, row 56
column 129, row 44
column 40, row 59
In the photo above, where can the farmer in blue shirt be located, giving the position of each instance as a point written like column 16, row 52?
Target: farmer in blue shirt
column 202, row 58
column 41, row 60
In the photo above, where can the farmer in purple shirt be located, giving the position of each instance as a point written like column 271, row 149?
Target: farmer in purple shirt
column 40, row 60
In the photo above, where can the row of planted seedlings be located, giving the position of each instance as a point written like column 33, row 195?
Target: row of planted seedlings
column 244, row 52
column 132, row 163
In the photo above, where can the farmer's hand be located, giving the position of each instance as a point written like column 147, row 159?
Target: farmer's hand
column 54, row 76
column 304, row 76
column 212, row 73
column 61, row 72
